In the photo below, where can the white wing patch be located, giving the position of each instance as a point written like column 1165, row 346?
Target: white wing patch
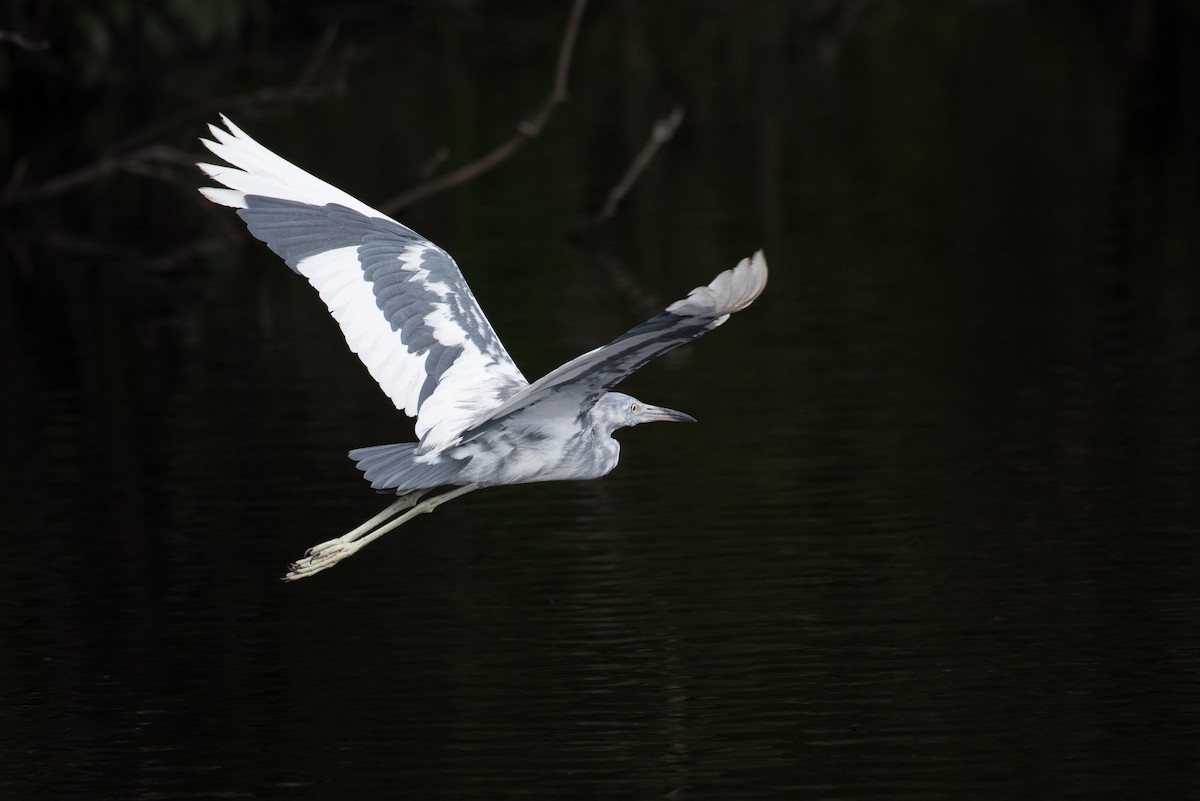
column 351, row 301
column 400, row 300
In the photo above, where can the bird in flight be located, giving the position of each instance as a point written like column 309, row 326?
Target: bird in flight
column 407, row 312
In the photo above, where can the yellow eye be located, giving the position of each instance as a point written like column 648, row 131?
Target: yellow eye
column 633, row 407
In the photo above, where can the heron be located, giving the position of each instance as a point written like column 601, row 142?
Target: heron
column 406, row 310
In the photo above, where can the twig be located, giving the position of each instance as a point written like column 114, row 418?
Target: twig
column 126, row 155
column 626, row 282
column 15, row 178
column 319, row 56
column 21, row 42
column 663, row 130
column 136, row 160
column 525, row 130
column 302, row 89
column 434, row 163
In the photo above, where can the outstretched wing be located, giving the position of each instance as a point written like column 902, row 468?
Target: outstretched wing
column 575, row 387
column 400, row 300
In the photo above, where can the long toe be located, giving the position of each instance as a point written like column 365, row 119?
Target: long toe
column 305, row 568
column 320, row 557
column 328, row 545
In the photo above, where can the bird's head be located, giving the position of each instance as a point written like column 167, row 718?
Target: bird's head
column 618, row 410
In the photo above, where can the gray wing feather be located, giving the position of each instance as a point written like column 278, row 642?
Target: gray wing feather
column 579, row 383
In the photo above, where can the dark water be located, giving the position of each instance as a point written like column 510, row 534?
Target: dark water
column 935, row 535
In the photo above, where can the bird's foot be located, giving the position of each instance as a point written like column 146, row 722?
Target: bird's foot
column 335, row 543
column 321, row 557
column 329, row 553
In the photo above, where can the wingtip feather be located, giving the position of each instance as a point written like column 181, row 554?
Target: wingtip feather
column 732, row 290
column 255, row 170
column 747, row 281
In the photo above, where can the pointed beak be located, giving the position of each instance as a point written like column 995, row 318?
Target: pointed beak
column 658, row 414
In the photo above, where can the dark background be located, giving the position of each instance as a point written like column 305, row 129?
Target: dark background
column 935, row 535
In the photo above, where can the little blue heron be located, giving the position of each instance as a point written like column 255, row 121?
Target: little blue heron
column 407, row 312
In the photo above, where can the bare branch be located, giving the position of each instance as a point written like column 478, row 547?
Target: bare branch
column 137, row 160
column 434, row 163
column 21, row 42
column 130, row 154
column 525, row 129
column 320, row 55
column 304, row 89
column 663, row 130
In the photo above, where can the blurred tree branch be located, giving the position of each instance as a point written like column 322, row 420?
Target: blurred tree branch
column 525, row 129
column 137, row 153
column 662, row 131
column 130, row 154
column 138, row 161
column 20, row 41
column 305, row 88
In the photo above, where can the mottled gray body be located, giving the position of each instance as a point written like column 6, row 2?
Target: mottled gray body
column 517, row 453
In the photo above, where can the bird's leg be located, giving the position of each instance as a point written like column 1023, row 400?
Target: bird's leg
column 328, row 554
column 405, row 501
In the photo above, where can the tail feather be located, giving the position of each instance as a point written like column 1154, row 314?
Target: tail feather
column 392, row 468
